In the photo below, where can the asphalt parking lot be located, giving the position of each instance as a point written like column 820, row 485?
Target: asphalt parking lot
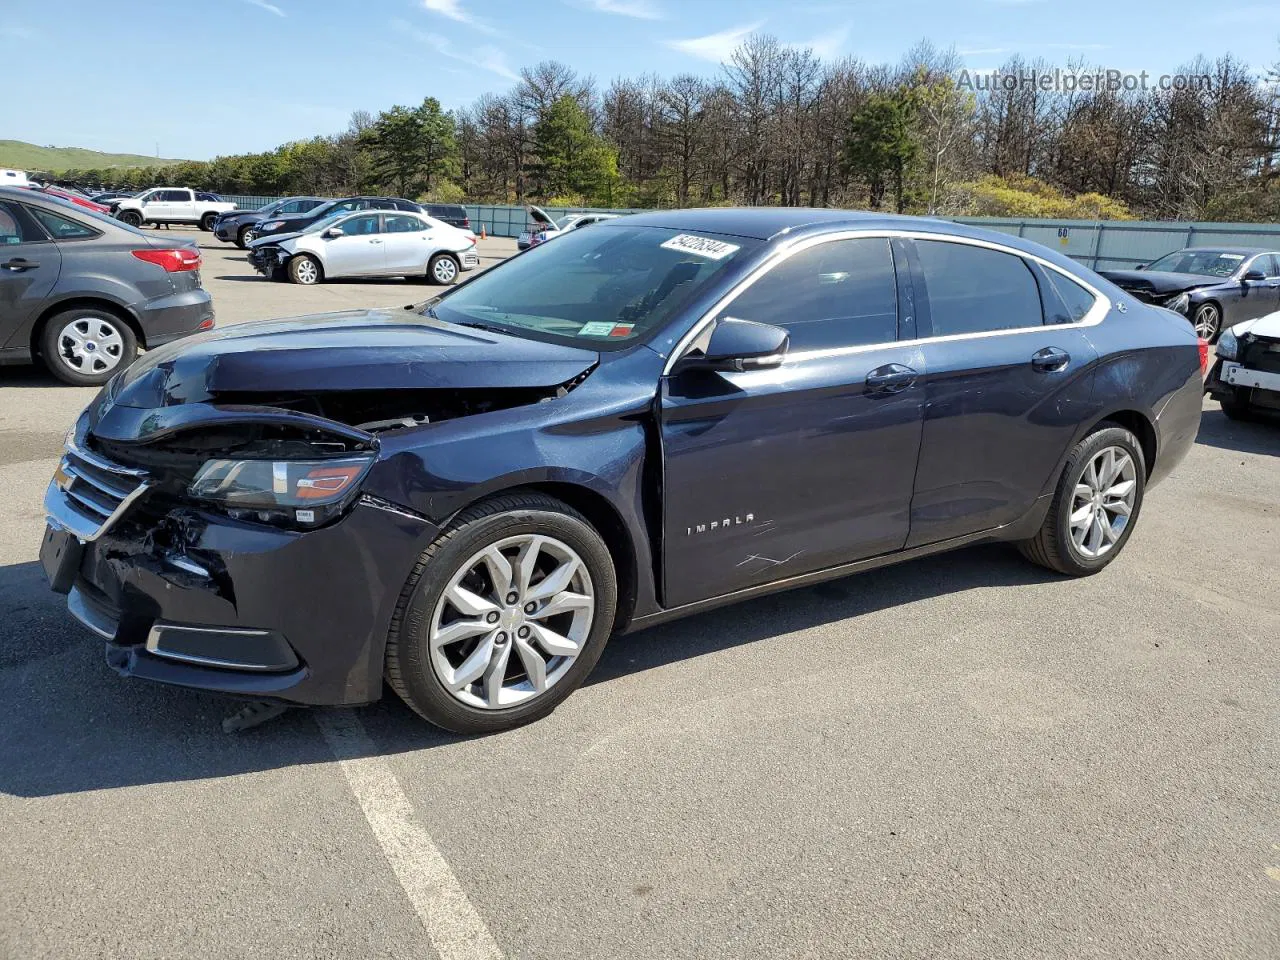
column 964, row 756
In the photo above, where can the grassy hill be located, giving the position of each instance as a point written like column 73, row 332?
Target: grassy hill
column 27, row 156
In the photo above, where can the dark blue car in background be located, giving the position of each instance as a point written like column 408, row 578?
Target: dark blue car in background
column 657, row 416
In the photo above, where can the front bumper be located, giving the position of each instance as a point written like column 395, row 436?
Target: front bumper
column 177, row 315
column 1233, row 382
column 198, row 600
column 268, row 260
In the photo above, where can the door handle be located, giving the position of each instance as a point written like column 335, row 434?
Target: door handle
column 891, row 378
column 375, row 241
column 1050, row 360
column 19, row 264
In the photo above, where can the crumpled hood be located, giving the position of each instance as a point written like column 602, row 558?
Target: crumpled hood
column 1158, row 281
column 1265, row 326
column 351, row 350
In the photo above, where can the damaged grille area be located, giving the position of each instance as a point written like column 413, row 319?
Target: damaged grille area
column 98, row 489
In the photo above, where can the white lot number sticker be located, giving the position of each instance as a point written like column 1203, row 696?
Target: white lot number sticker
column 702, row 246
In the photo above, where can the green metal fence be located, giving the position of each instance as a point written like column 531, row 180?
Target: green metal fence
column 1099, row 244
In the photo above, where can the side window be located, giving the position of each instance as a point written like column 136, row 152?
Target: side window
column 842, row 293
column 973, row 289
column 1070, row 302
column 361, row 226
column 400, row 223
column 12, row 228
column 293, row 206
column 1270, row 266
column 60, row 228
column 174, row 196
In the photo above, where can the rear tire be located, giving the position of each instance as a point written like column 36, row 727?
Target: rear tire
column 86, row 346
column 206, row 222
column 420, row 661
column 131, row 217
column 305, row 269
column 1056, row 545
column 443, row 269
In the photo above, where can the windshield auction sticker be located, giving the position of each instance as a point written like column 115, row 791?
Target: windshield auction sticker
column 702, row 246
column 597, row 329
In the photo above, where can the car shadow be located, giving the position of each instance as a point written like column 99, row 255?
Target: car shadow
column 73, row 726
column 1260, row 436
column 33, row 375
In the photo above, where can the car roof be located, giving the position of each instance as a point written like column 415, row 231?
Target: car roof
column 1246, row 251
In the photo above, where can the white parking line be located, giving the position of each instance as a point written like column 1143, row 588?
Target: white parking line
column 452, row 923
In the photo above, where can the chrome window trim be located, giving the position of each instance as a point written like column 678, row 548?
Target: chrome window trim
column 1101, row 305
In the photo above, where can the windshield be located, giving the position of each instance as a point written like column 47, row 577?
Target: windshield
column 1204, row 263
column 602, row 288
column 327, row 221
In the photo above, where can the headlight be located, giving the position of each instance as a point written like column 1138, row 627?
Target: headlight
column 1228, row 347
column 1179, row 303
column 308, row 492
column 271, row 225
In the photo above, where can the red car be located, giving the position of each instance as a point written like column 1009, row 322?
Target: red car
column 75, row 198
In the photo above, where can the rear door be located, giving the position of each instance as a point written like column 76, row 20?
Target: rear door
column 772, row 473
column 1005, row 391
column 359, row 251
column 29, row 267
column 406, row 244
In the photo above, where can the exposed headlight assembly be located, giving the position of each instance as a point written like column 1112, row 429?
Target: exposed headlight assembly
column 1228, row 347
column 1180, row 303
column 271, row 225
column 304, row 492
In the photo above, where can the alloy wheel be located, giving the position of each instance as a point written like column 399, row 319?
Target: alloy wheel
column 511, row 621
column 249, row 237
column 445, row 270
column 90, row 345
column 306, row 271
column 1206, row 321
column 1103, row 502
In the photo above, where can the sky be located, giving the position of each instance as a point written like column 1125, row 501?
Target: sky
column 196, row 78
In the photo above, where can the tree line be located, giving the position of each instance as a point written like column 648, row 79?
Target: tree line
column 779, row 125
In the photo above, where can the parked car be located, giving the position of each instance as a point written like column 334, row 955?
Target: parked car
column 454, row 214
column 297, row 223
column 367, row 243
column 169, row 205
column 203, row 195
column 81, row 292
column 1245, row 377
column 13, row 178
column 70, row 196
column 539, row 224
column 1215, row 287
column 110, row 195
column 654, row 417
column 240, row 226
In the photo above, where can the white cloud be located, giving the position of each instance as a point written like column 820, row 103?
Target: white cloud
column 827, row 46
column 716, row 47
column 487, row 57
column 263, row 5
column 639, row 9
column 18, row 33
column 453, row 10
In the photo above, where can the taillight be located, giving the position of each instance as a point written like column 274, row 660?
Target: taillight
column 173, row 261
column 1204, row 355
column 466, row 223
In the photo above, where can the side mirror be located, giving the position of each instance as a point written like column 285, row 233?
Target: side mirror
column 745, row 345
column 1254, row 275
column 333, row 232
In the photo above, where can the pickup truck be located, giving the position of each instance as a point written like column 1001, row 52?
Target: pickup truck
column 170, row 205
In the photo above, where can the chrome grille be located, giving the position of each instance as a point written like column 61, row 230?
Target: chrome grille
column 88, row 493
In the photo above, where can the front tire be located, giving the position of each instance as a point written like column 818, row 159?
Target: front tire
column 206, row 222
column 443, row 269
column 246, row 236
column 305, row 269
column 1207, row 321
column 1237, row 408
column 503, row 616
column 131, row 217
column 86, row 347
column 1095, row 505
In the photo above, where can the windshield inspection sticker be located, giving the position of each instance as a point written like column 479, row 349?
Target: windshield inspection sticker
column 702, row 246
column 598, row 329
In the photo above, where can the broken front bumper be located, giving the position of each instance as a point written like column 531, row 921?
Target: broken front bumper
column 198, row 600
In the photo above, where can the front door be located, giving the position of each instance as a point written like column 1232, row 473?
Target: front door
column 358, row 252
column 772, row 473
column 1005, row 390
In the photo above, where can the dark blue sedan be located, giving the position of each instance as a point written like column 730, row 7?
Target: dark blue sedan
column 663, row 414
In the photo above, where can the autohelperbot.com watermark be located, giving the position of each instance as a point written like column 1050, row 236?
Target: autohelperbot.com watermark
column 1058, row 80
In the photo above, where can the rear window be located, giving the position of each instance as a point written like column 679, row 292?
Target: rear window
column 603, row 289
column 62, row 228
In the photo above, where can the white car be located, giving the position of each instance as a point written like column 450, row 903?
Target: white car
column 1245, row 378
column 542, row 228
column 170, row 205
column 367, row 243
